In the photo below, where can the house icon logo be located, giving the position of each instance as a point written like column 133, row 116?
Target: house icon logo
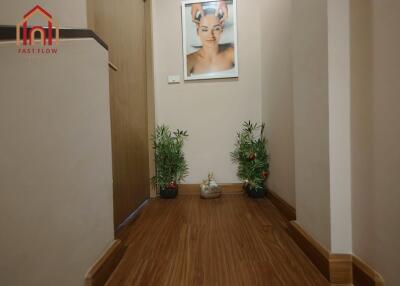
column 48, row 36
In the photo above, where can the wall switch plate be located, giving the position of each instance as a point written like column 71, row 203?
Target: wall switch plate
column 173, row 79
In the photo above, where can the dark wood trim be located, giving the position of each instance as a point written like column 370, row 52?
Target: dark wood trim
column 318, row 255
column 99, row 273
column 122, row 232
column 364, row 275
column 287, row 210
column 8, row 33
column 338, row 269
column 132, row 217
column 194, row 189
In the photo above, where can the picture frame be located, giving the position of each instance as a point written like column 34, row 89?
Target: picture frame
column 209, row 36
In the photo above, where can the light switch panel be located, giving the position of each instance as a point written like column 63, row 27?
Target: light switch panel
column 174, row 79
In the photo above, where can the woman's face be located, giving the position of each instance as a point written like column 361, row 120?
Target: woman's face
column 210, row 30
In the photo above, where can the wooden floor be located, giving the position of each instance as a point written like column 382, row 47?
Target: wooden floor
column 233, row 240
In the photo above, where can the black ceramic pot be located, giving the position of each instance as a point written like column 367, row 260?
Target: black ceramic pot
column 245, row 188
column 168, row 192
column 256, row 193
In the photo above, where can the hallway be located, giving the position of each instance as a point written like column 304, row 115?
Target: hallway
column 229, row 241
column 108, row 109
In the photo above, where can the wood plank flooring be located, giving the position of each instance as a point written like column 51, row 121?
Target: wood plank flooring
column 233, row 240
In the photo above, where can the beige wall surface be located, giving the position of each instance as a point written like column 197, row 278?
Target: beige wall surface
column 277, row 94
column 376, row 134
column 68, row 14
column 361, row 112
column 56, row 213
column 311, row 117
column 211, row 111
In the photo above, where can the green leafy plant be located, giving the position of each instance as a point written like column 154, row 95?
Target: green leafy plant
column 171, row 166
column 251, row 155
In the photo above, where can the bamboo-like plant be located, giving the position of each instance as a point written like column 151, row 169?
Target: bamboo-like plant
column 171, row 166
column 251, row 155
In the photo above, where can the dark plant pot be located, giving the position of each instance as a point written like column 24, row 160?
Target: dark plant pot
column 169, row 193
column 245, row 187
column 256, row 193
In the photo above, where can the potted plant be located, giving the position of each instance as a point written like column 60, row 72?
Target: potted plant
column 251, row 155
column 171, row 166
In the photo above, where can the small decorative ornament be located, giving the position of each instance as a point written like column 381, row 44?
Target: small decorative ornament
column 252, row 156
column 245, row 184
column 172, row 185
column 209, row 189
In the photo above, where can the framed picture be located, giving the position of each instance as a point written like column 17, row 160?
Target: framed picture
column 209, row 39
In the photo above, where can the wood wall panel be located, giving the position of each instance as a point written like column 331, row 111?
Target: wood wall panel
column 122, row 25
column 151, row 112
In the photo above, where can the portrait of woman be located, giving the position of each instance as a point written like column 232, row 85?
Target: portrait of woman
column 209, row 39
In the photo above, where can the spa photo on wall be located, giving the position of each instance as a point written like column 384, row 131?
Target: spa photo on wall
column 209, row 39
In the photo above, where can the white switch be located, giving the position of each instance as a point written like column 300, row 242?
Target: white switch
column 173, row 79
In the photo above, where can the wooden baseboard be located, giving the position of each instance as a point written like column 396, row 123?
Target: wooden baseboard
column 318, row 255
column 364, row 275
column 338, row 269
column 99, row 273
column 194, row 189
column 132, row 217
column 287, row 210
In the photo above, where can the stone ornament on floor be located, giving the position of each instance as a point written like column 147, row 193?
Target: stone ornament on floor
column 210, row 189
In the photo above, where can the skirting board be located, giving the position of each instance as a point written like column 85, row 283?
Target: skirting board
column 132, row 216
column 99, row 273
column 338, row 269
column 194, row 189
column 286, row 210
column 364, row 275
column 318, row 255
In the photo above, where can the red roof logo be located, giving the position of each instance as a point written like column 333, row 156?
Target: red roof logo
column 45, row 33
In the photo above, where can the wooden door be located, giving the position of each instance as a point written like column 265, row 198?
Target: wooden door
column 121, row 23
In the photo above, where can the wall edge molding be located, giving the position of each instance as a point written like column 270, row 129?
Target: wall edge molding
column 338, row 269
column 317, row 254
column 99, row 273
column 363, row 274
column 8, row 33
column 284, row 207
column 133, row 216
column 227, row 189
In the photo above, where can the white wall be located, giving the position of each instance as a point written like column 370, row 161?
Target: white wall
column 212, row 111
column 311, row 117
column 56, row 213
column 376, row 134
column 277, row 94
column 339, row 124
column 68, row 14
